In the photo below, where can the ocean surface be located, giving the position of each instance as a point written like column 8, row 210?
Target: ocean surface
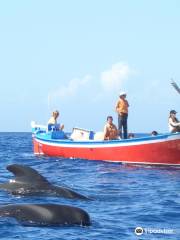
column 125, row 197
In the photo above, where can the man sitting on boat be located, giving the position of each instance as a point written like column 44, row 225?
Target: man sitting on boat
column 52, row 123
column 110, row 130
column 174, row 124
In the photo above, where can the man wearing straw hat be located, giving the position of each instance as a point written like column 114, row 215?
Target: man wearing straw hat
column 122, row 110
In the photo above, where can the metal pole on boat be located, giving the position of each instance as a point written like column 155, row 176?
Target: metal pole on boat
column 176, row 87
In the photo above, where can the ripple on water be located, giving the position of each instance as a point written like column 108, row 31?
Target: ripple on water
column 124, row 196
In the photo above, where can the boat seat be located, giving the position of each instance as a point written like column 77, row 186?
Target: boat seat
column 53, row 127
column 58, row 135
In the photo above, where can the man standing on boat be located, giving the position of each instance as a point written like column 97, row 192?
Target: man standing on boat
column 122, row 110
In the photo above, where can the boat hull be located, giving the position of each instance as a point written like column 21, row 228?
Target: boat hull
column 164, row 149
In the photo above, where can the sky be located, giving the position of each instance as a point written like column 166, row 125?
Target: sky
column 77, row 56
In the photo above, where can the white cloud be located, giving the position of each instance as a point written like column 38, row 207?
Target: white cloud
column 113, row 78
column 70, row 89
column 67, row 91
column 110, row 80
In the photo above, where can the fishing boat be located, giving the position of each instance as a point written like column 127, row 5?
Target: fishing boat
column 162, row 149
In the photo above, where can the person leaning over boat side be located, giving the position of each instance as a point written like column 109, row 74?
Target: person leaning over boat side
column 122, row 110
column 52, row 123
column 174, row 124
column 110, row 130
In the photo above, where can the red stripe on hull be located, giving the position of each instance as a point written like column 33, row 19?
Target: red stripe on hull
column 167, row 152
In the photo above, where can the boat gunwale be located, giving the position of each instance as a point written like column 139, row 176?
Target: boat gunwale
column 146, row 139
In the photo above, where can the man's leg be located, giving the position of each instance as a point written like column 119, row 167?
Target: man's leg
column 125, row 133
column 120, row 124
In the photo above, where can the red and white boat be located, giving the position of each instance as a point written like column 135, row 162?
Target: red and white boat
column 163, row 149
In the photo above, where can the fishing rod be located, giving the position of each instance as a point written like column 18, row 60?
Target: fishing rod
column 176, row 87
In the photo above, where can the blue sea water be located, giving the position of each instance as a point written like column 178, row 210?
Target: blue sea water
column 125, row 197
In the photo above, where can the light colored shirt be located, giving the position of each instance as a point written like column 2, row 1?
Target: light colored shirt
column 52, row 120
column 173, row 124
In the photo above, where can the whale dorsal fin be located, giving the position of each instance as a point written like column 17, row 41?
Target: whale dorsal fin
column 26, row 174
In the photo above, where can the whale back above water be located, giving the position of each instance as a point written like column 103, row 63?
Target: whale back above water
column 46, row 214
column 27, row 175
column 28, row 181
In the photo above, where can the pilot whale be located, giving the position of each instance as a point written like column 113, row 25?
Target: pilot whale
column 46, row 214
column 29, row 182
